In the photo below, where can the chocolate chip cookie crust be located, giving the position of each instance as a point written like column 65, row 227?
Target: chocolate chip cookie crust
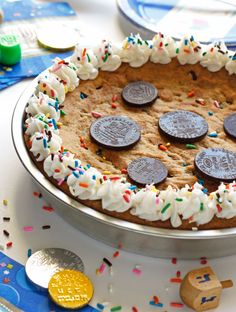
column 176, row 91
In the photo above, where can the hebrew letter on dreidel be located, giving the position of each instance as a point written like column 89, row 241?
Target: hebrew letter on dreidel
column 201, row 289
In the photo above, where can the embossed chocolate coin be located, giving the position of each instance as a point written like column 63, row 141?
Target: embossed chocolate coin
column 230, row 125
column 70, row 289
column 147, row 170
column 183, row 126
column 115, row 132
column 41, row 266
column 139, row 93
column 217, row 164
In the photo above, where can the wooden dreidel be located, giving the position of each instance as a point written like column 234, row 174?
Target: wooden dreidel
column 201, row 289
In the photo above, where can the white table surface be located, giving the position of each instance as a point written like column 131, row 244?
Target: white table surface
column 100, row 19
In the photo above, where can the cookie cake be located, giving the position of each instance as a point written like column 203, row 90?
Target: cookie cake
column 143, row 131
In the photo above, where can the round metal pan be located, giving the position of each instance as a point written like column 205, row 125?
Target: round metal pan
column 149, row 241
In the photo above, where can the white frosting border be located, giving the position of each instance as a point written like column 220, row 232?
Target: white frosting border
column 115, row 193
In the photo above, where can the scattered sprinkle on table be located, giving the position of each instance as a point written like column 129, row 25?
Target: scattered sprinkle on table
column 176, row 280
column 108, row 262
column 100, row 306
column 159, row 304
column 46, row 227
column 134, row 309
column 203, row 260
column 116, row 254
column 178, row 274
column 37, row 194
column 29, row 252
column 5, row 202
column 6, row 233
column 9, row 244
column 174, row 260
column 48, row 208
column 28, row 228
column 116, row 308
column 137, row 271
column 176, row 304
column 6, row 219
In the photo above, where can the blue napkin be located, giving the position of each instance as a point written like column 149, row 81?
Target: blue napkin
column 28, row 9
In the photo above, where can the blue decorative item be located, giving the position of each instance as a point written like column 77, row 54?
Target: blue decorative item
column 16, row 289
column 28, row 9
column 173, row 17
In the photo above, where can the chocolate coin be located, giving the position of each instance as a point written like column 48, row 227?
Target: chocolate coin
column 183, row 126
column 139, row 93
column 147, row 170
column 41, row 266
column 57, row 37
column 115, row 132
column 217, row 164
column 230, row 125
column 70, row 289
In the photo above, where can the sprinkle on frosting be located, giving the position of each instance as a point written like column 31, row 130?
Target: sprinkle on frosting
column 86, row 63
column 163, row 49
column 66, row 72
column 107, row 56
column 135, row 50
column 116, row 194
column 189, row 51
column 215, row 57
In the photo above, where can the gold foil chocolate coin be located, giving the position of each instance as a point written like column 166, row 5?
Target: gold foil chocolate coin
column 70, row 289
column 57, row 37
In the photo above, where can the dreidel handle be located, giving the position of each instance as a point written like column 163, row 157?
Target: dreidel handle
column 226, row 284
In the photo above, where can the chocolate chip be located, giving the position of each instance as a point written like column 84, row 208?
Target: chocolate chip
column 146, row 170
column 183, row 126
column 193, row 74
column 115, row 132
column 217, row 164
column 139, row 93
column 230, row 125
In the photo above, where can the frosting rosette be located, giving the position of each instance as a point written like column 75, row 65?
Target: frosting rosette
column 45, row 143
column 147, row 204
column 84, row 182
column 195, row 206
column 43, row 104
column 116, row 195
column 60, row 165
column 163, row 49
column 66, row 71
column 51, row 85
column 40, row 123
column 85, row 62
column 189, row 51
column 215, row 57
column 107, row 56
column 224, row 201
column 231, row 64
column 135, row 51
